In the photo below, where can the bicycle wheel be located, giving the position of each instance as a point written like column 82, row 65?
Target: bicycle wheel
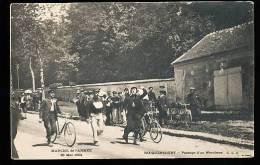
column 155, row 132
column 54, row 136
column 70, row 134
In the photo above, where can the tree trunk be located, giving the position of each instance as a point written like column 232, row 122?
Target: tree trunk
column 32, row 72
column 41, row 70
column 42, row 79
column 11, row 82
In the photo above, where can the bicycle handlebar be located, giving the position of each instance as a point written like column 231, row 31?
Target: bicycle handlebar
column 65, row 115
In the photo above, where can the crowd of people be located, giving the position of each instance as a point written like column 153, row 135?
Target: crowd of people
column 109, row 108
column 29, row 102
column 125, row 107
column 112, row 107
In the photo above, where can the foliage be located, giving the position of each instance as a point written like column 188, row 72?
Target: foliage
column 101, row 42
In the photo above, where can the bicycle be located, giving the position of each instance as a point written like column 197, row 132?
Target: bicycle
column 180, row 114
column 68, row 129
column 151, row 125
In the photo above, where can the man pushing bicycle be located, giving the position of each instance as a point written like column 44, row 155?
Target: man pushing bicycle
column 48, row 113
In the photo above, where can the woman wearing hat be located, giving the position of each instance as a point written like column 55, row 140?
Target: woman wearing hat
column 134, row 114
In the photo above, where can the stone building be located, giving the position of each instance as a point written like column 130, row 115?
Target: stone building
column 221, row 67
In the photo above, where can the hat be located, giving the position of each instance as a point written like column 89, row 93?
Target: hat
column 114, row 92
column 78, row 91
column 192, row 88
column 133, row 88
column 51, row 91
column 150, row 87
column 95, row 98
column 162, row 91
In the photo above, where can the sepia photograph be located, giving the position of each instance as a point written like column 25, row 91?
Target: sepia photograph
column 132, row 80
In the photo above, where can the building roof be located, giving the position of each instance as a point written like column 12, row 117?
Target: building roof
column 220, row 41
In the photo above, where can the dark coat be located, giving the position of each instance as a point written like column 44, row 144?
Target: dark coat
column 115, row 102
column 151, row 96
column 45, row 109
column 163, row 102
column 93, row 109
column 195, row 104
column 193, row 100
column 135, row 109
column 15, row 114
column 81, row 104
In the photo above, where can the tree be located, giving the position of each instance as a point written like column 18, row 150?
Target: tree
column 41, row 39
column 100, row 42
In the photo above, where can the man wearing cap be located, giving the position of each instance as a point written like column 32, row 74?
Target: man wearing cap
column 81, row 104
column 151, row 95
column 15, row 117
column 162, row 107
column 115, row 107
column 108, row 108
column 195, row 105
column 48, row 113
column 126, row 97
column 76, row 100
column 134, row 114
column 23, row 106
column 96, row 119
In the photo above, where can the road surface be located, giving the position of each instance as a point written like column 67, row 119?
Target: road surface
column 31, row 144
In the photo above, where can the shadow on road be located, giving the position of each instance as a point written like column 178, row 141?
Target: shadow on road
column 90, row 144
column 41, row 144
column 46, row 144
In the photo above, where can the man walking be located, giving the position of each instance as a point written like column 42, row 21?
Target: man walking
column 115, row 107
column 96, row 119
column 48, row 114
column 23, row 106
column 15, row 117
column 135, row 112
column 195, row 105
column 151, row 95
column 108, row 108
column 162, row 107
column 81, row 105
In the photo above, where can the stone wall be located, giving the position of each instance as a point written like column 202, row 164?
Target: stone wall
column 67, row 93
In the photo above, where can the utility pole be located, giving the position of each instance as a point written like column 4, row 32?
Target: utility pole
column 17, row 71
